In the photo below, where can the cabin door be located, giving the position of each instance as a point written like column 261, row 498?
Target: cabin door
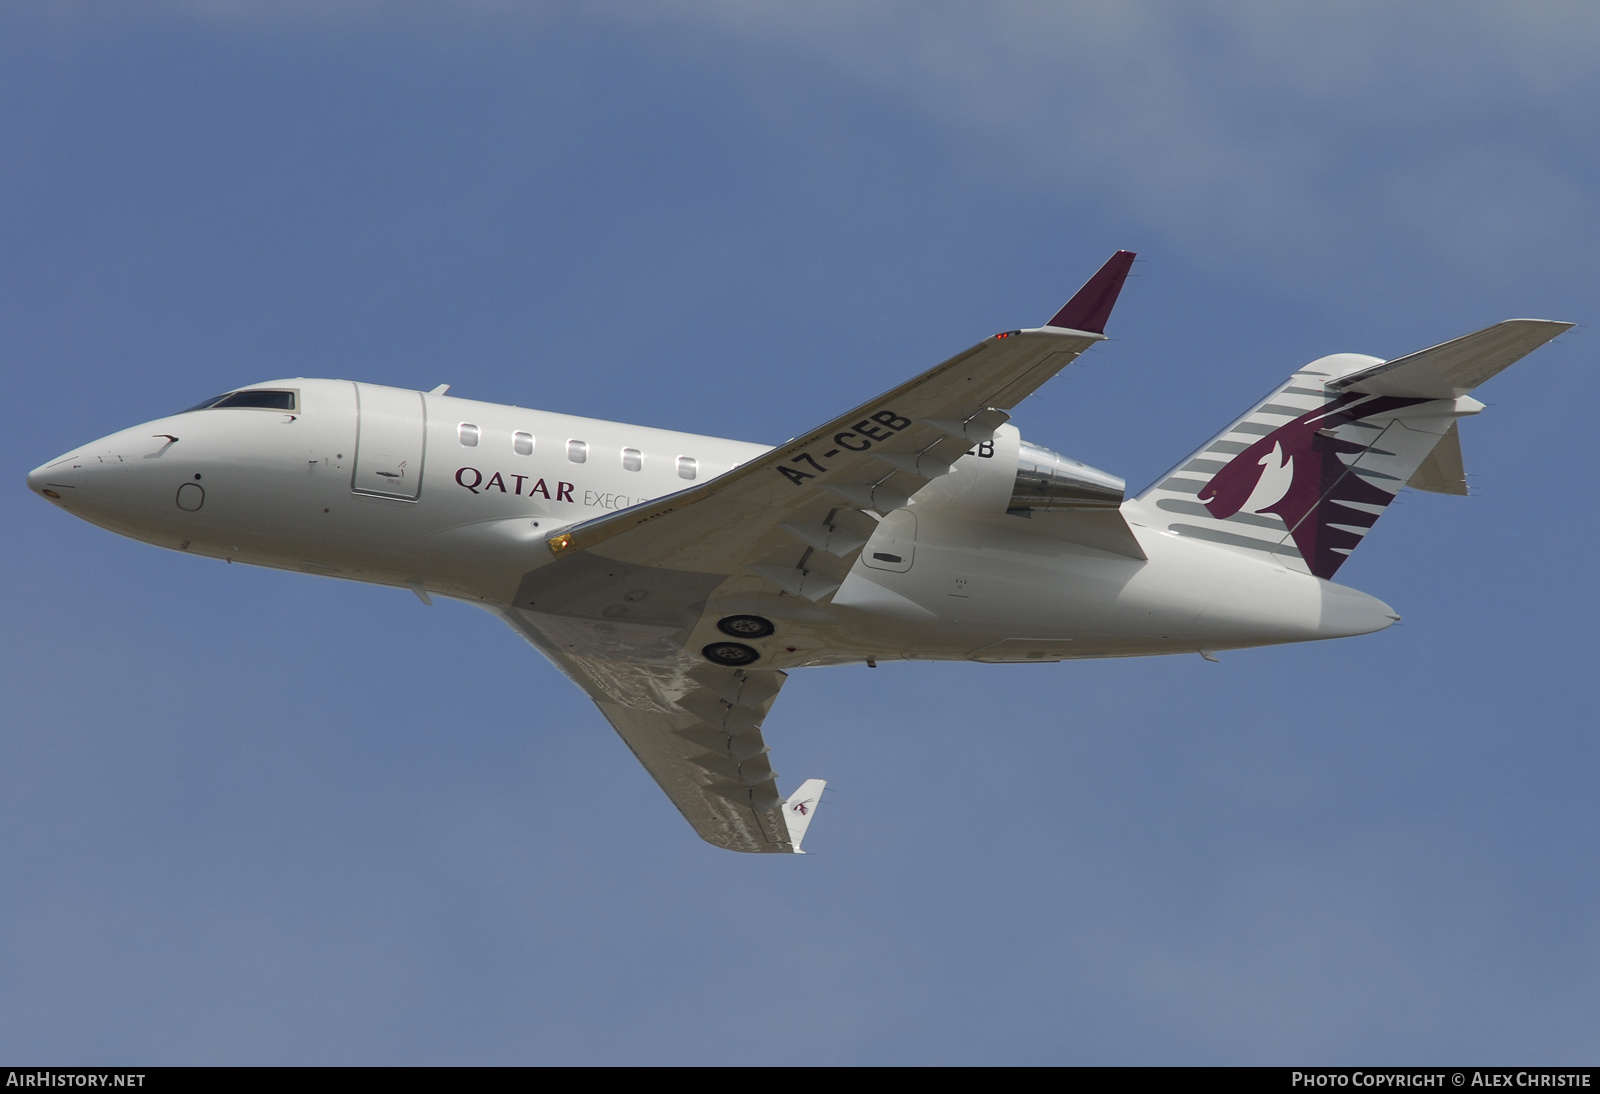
column 389, row 442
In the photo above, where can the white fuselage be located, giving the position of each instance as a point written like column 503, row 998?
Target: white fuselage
column 303, row 491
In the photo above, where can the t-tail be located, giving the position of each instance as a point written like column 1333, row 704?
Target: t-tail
column 1305, row 474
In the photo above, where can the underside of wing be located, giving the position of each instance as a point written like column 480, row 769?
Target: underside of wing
column 695, row 727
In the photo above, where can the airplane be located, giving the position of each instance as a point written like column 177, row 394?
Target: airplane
column 677, row 578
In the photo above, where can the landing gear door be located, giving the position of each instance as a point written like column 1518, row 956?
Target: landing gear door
column 389, row 442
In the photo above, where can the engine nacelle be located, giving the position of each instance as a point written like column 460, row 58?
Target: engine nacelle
column 1049, row 480
column 1011, row 475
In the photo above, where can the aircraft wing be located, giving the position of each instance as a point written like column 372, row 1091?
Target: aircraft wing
column 696, row 727
column 797, row 516
column 629, row 600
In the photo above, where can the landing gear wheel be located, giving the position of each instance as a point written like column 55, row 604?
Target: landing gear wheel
column 745, row 626
column 732, row 654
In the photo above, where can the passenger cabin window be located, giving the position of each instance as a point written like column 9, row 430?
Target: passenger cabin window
column 522, row 444
column 468, row 434
column 687, row 467
column 577, row 451
column 632, row 459
column 259, row 399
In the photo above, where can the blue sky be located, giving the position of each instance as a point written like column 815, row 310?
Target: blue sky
column 256, row 817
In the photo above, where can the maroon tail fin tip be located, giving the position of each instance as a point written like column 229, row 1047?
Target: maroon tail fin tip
column 1091, row 305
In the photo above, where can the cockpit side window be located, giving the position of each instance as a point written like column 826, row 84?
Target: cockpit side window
column 255, row 399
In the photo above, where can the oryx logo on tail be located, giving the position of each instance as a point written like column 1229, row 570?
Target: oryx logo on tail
column 1296, row 473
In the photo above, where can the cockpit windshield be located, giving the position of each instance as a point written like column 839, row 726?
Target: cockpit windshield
column 255, row 399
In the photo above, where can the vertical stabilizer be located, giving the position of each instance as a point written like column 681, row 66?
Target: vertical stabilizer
column 1305, row 474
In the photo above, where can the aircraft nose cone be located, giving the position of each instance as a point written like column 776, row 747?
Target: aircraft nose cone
column 50, row 480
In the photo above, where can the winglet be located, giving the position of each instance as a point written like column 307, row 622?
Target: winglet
column 1091, row 306
column 800, row 808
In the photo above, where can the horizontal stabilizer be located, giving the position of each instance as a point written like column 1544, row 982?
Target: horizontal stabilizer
column 1455, row 367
